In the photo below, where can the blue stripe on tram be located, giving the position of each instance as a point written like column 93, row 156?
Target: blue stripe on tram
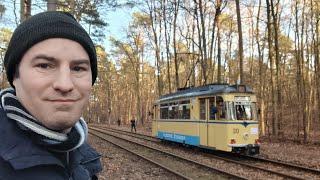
column 186, row 139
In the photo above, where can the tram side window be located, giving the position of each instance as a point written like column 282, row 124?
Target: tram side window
column 221, row 108
column 185, row 111
column 173, row 112
column 164, row 112
column 180, row 111
column 202, row 109
column 213, row 108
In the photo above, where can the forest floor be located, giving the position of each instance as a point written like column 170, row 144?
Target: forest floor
column 286, row 150
column 290, row 151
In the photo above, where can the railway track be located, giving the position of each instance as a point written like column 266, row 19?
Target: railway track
column 282, row 169
column 178, row 165
column 290, row 165
column 128, row 133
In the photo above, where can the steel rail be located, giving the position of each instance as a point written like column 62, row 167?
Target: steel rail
column 128, row 133
column 290, row 165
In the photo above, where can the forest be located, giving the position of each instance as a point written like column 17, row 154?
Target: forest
column 271, row 45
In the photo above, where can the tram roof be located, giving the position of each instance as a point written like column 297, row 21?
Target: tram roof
column 204, row 90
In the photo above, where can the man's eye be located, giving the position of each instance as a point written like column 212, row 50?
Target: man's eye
column 79, row 68
column 43, row 66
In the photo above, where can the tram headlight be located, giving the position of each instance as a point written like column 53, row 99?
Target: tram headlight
column 232, row 141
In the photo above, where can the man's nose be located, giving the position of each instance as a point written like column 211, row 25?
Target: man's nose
column 63, row 82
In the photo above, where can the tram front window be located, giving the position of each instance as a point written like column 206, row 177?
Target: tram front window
column 242, row 111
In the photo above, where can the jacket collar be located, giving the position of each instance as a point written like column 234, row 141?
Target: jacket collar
column 17, row 148
column 21, row 152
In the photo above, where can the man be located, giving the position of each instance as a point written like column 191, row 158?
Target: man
column 119, row 122
column 213, row 112
column 133, row 125
column 51, row 65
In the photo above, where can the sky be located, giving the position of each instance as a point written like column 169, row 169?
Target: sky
column 118, row 20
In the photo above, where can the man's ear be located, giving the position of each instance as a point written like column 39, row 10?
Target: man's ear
column 14, row 82
column 16, row 76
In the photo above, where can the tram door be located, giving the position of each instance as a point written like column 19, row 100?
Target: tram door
column 203, row 127
column 155, row 119
column 207, row 113
column 212, row 115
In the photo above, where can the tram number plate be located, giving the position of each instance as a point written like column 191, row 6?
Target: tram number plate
column 235, row 131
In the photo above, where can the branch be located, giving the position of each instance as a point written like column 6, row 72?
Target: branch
column 188, row 38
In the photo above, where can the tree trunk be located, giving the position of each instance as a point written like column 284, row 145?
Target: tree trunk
column 303, row 90
column 203, row 75
column 278, row 78
column 52, row 5
column 299, row 64
column 316, row 47
column 167, row 42
column 176, row 64
column 219, row 52
column 261, row 77
column 240, row 42
column 216, row 16
column 25, row 9
column 157, row 49
column 72, row 4
column 204, row 41
column 273, row 104
column 194, row 62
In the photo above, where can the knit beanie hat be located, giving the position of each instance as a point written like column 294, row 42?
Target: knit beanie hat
column 46, row 25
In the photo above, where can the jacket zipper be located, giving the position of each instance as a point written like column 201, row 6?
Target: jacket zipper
column 68, row 166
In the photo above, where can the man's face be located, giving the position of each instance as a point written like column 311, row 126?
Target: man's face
column 54, row 82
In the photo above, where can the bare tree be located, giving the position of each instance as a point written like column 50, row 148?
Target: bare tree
column 25, row 9
column 167, row 40
column 176, row 63
column 270, row 53
column 240, row 42
column 276, row 46
column 153, row 20
column 262, row 81
column 52, row 5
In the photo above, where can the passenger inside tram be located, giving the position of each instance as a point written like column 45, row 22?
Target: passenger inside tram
column 221, row 108
column 243, row 112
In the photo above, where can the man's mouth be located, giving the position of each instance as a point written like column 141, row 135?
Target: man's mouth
column 63, row 100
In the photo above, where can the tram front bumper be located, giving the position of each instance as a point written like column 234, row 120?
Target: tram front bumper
column 248, row 149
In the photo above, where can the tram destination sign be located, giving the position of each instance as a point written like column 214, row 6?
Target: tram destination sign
column 242, row 98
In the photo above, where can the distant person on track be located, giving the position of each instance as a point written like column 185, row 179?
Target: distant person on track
column 51, row 65
column 119, row 122
column 133, row 125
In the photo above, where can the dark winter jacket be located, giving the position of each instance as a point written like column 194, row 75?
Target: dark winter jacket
column 21, row 158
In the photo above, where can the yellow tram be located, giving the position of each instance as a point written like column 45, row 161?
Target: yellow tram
column 215, row 116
